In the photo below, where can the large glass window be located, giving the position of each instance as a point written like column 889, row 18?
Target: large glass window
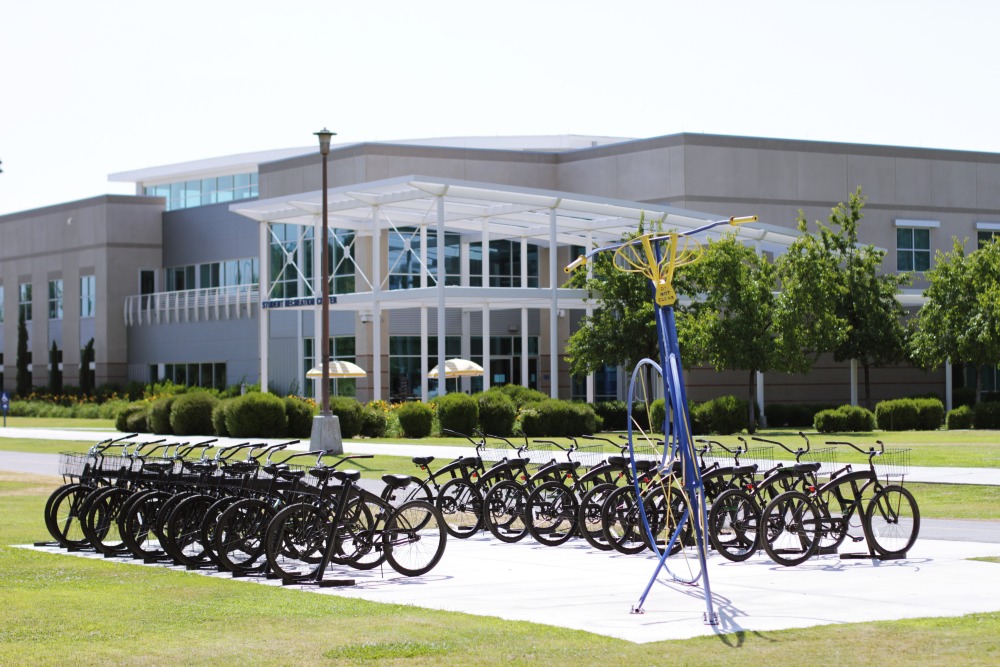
column 404, row 364
column 913, row 249
column 24, row 301
column 180, row 278
column 188, row 194
column 341, row 348
column 405, row 258
column 291, row 261
column 56, row 299
column 985, row 237
column 88, row 294
column 504, row 264
column 605, row 385
column 207, row 374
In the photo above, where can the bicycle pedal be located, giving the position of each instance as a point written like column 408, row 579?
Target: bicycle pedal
column 857, row 539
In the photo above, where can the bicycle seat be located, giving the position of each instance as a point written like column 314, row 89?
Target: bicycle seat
column 806, row 467
column 422, row 460
column 347, row 475
column 397, row 481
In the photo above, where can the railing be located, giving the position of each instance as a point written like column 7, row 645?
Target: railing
column 212, row 303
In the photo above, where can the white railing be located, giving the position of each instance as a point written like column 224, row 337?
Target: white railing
column 195, row 305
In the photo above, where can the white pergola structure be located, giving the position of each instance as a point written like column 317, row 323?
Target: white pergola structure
column 481, row 212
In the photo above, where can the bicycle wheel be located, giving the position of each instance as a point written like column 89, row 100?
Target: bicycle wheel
column 238, row 539
column 369, row 546
column 665, row 507
column 414, row 538
column 137, row 524
column 461, row 505
column 622, row 524
column 100, row 520
column 732, row 525
column 792, row 523
column 63, row 518
column 588, row 518
column 892, row 521
column 503, row 511
column 295, row 541
column 415, row 490
column 551, row 513
column 184, row 528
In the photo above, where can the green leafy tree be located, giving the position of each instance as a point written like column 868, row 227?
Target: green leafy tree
column 868, row 303
column 729, row 323
column 23, row 381
column 86, row 376
column 55, row 375
column 961, row 318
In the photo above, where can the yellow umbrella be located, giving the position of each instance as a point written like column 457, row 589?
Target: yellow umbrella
column 455, row 368
column 338, row 369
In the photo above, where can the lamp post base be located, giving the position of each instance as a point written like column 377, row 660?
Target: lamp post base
column 326, row 434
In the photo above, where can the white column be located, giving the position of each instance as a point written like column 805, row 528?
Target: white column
column 424, row 367
column 265, row 289
column 442, row 380
column 524, row 347
column 424, row 275
column 465, row 384
column 553, row 308
column 590, row 313
column 948, row 398
column 854, row 381
column 376, row 306
column 487, row 376
column 760, row 393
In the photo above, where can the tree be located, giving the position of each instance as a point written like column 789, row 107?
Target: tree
column 961, row 319
column 729, row 323
column 55, row 375
column 868, row 303
column 86, row 377
column 23, row 382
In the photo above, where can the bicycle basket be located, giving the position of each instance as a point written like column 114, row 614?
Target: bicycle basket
column 590, row 455
column 762, row 457
column 71, row 464
column 893, row 463
column 826, row 457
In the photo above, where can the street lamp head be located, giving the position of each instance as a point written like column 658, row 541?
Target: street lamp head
column 324, row 140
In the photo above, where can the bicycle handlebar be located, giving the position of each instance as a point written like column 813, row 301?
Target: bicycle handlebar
column 871, row 452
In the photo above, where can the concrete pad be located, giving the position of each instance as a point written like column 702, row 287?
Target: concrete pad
column 576, row 587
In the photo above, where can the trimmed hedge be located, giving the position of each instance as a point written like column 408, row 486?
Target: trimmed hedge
column 299, row 414
column 522, row 395
column 416, row 419
column 219, row 414
column 159, row 415
column 556, row 418
column 845, row 419
column 497, row 413
column 373, row 422
column 256, row 415
column 910, row 414
column 724, row 415
column 457, row 412
column 348, row 411
column 614, row 414
column 793, row 415
column 191, row 413
column 961, row 417
column 132, row 418
column 987, row 415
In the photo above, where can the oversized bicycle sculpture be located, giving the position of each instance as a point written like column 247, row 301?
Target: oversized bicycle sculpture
column 672, row 510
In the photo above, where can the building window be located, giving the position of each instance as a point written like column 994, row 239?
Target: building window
column 56, row 299
column 986, row 237
column 180, row 278
column 291, row 261
column 404, row 364
column 88, row 295
column 405, row 254
column 188, row 194
column 24, row 301
column 1, row 305
column 341, row 348
column 210, row 374
column 913, row 249
column 504, row 264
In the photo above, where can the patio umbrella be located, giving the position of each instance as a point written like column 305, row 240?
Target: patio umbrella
column 455, row 368
column 338, row 369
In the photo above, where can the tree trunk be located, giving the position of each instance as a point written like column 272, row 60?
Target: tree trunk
column 868, row 386
column 752, row 403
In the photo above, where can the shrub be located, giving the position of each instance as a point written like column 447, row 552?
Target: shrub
column 256, row 415
column 110, row 409
column 555, row 418
column 657, row 415
column 959, row 418
column 348, row 411
column 987, row 415
column 219, row 413
column 845, row 419
column 522, row 395
column 930, row 413
column 497, row 413
column 299, row 414
column 613, row 413
column 373, row 422
column 793, row 415
column 131, row 416
column 457, row 412
column 415, row 419
column 897, row 415
column 724, row 415
column 159, row 415
column 191, row 414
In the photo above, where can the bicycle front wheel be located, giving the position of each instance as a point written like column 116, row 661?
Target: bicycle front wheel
column 296, row 540
column 792, row 523
column 892, row 521
column 551, row 513
column 503, row 511
column 461, row 506
column 732, row 525
column 414, row 538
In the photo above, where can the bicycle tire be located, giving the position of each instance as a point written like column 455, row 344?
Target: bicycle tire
column 184, row 528
column 137, row 524
column 461, row 505
column 621, row 522
column 209, row 524
column 369, row 545
column 665, row 507
column 238, row 540
column 417, row 489
column 551, row 513
column 414, row 538
column 589, row 521
column 296, row 540
column 63, row 518
column 503, row 511
column 100, row 520
column 733, row 524
column 892, row 521
column 792, row 523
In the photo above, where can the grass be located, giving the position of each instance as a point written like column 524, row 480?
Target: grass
column 154, row 616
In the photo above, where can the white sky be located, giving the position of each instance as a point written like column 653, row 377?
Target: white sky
column 92, row 88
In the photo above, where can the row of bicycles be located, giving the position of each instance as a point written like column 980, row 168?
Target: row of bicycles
column 792, row 509
column 238, row 510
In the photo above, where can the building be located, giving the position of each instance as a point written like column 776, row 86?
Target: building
column 207, row 275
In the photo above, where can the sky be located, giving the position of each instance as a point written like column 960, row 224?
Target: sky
column 90, row 89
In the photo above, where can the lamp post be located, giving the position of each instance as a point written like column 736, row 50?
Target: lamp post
column 326, row 427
